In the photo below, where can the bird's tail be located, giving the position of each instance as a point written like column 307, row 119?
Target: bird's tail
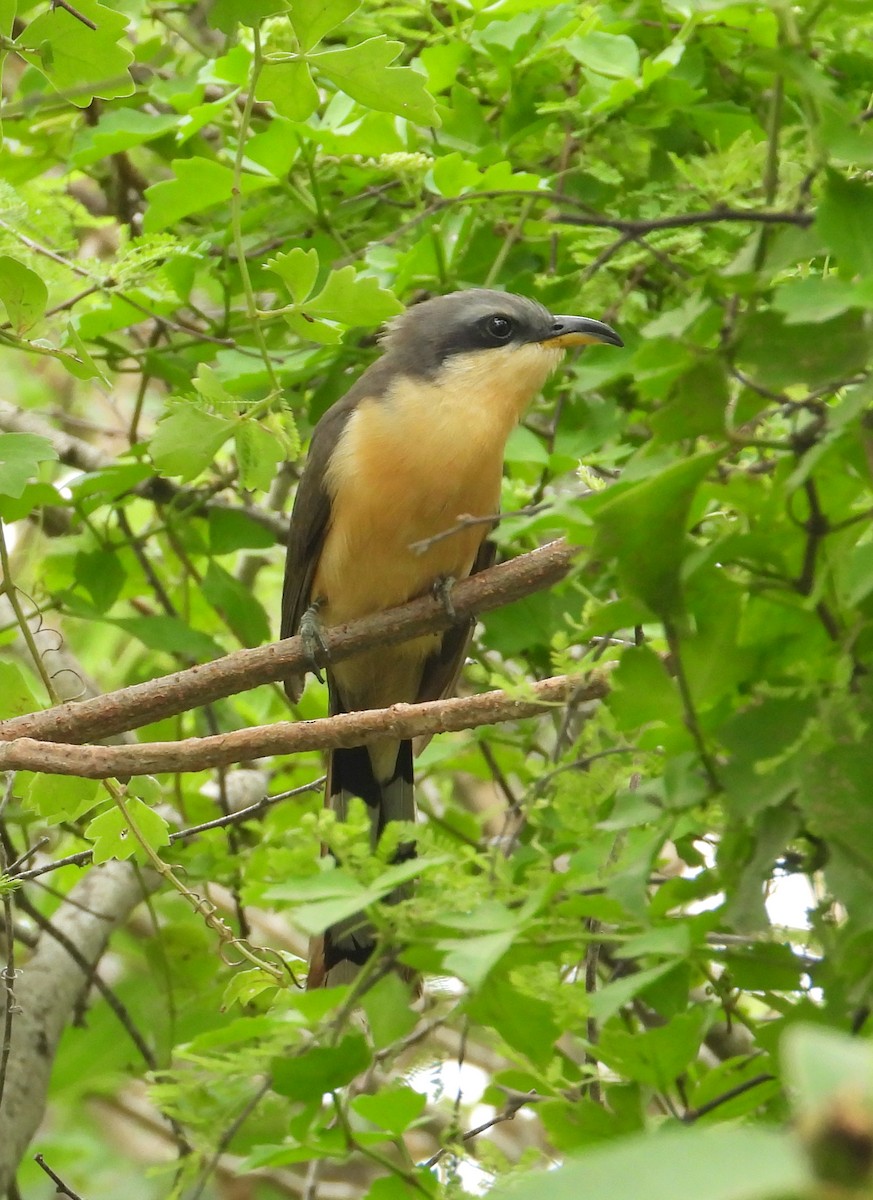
column 337, row 956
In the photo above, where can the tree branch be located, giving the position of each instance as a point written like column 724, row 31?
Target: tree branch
column 133, row 707
column 46, row 993
column 294, row 737
column 712, row 216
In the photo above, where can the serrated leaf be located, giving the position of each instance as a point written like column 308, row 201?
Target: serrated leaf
column 61, row 797
column 23, row 293
column 210, row 388
column 227, row 14
column 20, row 456
column 363, row 72
column 117, row 131
column 16, row 694
column 352, row 299
column 112, row 836
column 298, row 269
column 85, row 62
column 246, row 986
column 199, row 183
column 312, row 19
column 288, row 86
column 258, row 454
column 187, row 439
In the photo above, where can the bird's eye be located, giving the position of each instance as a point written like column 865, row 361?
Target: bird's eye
column 499, row 328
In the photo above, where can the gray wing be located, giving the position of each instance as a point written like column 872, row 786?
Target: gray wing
column 310, row 515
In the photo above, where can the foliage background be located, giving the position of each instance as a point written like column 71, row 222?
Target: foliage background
column 205, row 212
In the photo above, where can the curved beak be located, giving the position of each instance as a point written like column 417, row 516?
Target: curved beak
column 579, row 331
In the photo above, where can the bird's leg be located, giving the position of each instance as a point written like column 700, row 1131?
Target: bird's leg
column 442, row 591
column 312, row 635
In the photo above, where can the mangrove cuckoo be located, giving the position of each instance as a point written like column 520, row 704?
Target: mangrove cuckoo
column 415, row 445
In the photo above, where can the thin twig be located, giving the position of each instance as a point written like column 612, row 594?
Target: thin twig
column 712, row 216
column 229, row 1134
column 74, row 12
column 83, row 857
column 507, row 1113
column 62, row 1188
column 694, row 1114
column 466, row 521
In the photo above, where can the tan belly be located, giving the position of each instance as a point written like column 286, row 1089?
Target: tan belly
column 407, row 468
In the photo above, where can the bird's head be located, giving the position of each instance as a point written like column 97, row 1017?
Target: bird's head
column 480, row 322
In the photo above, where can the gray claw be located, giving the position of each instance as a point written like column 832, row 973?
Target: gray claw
column 442, row 590
column 312, row 636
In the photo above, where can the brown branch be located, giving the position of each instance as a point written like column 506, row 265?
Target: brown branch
column 507, row 1113
column 294, row 737
column 144, row 703
column 712, row 216
column 61, row 1189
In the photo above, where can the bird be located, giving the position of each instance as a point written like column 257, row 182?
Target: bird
column 415, row 445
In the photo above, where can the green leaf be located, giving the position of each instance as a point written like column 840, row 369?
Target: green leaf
column 810, row 301
column 312, row 19
column 654, row 1057
column 227, row 14
column 112, row 836
column 363, row 72
column 117, row 131
column 725, row 1163
column 231, row 530
column 199, row 183
column 390, row 1014
column 823, row 1065
column 613, row 55
column 844, row 220
column 102, row 576
column 20, row 456
column 62, row 797
column 289, row 87
column 187, row 440
column 643, row 529
column 85, row 62
column 352, row 299
column 258, row 453
column 23, row 293
column 244, row 614
column 472, row 958
column 297, row 269
column 526, row 1023
column 16, row 694
column 321, row 1069
column 171, row 635
column 394, row 1108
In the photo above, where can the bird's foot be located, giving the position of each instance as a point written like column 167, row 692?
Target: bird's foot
column 442, row 591
column 312, row 635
